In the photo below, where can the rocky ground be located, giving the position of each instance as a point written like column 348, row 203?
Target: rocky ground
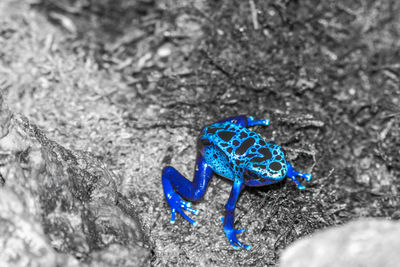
column 98, row 96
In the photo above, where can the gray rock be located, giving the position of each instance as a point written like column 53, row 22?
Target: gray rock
column 23, row 242
column 58, row 206
column 365, row 242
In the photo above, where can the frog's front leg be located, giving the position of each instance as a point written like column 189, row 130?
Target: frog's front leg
column 173, row 181
column 292, row 174
column 228, row 221
column 252, row 122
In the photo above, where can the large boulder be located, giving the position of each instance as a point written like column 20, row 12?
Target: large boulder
column 365, row 242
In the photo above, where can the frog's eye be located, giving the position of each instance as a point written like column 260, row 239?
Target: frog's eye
column 205, row 142
column 275, row 166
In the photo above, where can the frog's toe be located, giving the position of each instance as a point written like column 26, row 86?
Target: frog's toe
column 234, row 246
column 307, row 177
column 234, row 241
column 247, row 247
column 187, row 206
column 252, row 122
column 183, row 214
column 178, row 205
column 231, row 235
column 301, row 187
column 239, row 231
column 185, row 203
column 172, row 221
column 194, row 211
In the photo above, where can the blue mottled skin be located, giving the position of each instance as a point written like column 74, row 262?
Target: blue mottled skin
column 229, row 149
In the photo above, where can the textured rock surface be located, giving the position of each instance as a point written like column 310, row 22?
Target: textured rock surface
column 54, row 199
column 22, row 239
column 361, row 243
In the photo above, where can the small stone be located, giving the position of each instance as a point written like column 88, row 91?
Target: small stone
column 164, row 51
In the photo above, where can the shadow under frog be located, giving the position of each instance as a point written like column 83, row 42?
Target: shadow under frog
column 231, row 150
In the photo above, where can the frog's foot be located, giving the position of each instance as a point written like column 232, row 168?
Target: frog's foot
column 231, row 235
column 299, row 185
column 252, row 122
column 292, row 174
column 178, row 205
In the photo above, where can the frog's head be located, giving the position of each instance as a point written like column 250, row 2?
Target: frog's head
column 272, row 167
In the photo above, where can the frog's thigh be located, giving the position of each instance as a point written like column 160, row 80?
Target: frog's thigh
column 218, row 162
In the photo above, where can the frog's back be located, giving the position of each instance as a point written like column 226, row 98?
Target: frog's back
column 234, row 140
column 235, row 147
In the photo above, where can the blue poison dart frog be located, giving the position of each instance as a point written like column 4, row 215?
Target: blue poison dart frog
column 229, row 149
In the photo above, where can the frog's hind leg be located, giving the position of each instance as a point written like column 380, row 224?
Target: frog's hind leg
column 228, row 220
column 176, row 186
column 292, row 174
column 244, row 121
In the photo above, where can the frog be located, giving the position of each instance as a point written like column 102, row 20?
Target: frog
column 228, row 148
